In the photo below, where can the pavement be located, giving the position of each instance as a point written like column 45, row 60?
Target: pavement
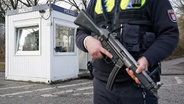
column 80, row 91
column 173, row 67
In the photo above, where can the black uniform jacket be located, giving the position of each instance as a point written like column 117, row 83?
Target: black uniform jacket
column 163, row 25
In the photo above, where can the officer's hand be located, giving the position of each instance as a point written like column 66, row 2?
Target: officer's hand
column 142, row 65
column 95, row 48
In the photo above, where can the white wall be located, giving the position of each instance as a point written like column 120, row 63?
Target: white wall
column 64, row 65
column 27, row 67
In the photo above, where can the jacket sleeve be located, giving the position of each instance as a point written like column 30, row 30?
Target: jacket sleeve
column 166, row 32
column 82, row 33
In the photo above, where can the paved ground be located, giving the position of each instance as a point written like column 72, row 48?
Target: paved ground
column 173, row 78
column 175, row 66
column 80, row 91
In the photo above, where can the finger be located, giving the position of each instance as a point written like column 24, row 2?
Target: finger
column 130, row 72
column 137, row 80
column 97, row 55
column 105, row 52
column 140, row 69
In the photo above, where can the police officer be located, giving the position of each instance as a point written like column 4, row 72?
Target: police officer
column 147, row 28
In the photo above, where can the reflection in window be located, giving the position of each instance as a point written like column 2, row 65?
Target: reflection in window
column 64, row 39
column 27, row 38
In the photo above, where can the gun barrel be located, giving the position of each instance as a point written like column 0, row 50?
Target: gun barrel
column 130, row 63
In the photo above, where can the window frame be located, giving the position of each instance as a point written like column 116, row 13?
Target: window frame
column 25, row 24
column 68, row 24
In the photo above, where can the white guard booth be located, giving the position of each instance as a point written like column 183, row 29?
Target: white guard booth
column 40, row 44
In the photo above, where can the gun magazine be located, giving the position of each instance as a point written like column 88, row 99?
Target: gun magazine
column 112, row 78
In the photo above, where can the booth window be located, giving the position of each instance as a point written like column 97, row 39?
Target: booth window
column 27, row 39
column 64, row 39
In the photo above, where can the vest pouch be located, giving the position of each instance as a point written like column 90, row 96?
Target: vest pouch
column 131, row 37
column 148, row 39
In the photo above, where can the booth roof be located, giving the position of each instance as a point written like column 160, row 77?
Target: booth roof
column 42, row 7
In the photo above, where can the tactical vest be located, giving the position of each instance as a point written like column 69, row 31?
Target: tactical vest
column 128, row 14
column 137, row 33
column 124, row 4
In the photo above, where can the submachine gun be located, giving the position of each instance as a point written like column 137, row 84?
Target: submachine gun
column 120, row 55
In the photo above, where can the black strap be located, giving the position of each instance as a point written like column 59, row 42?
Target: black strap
column 104, row 9
column 115, row 23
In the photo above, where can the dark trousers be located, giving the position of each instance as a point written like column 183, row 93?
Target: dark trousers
column 122, row 93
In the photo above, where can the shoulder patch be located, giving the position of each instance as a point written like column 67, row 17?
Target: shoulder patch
column 172, row 15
